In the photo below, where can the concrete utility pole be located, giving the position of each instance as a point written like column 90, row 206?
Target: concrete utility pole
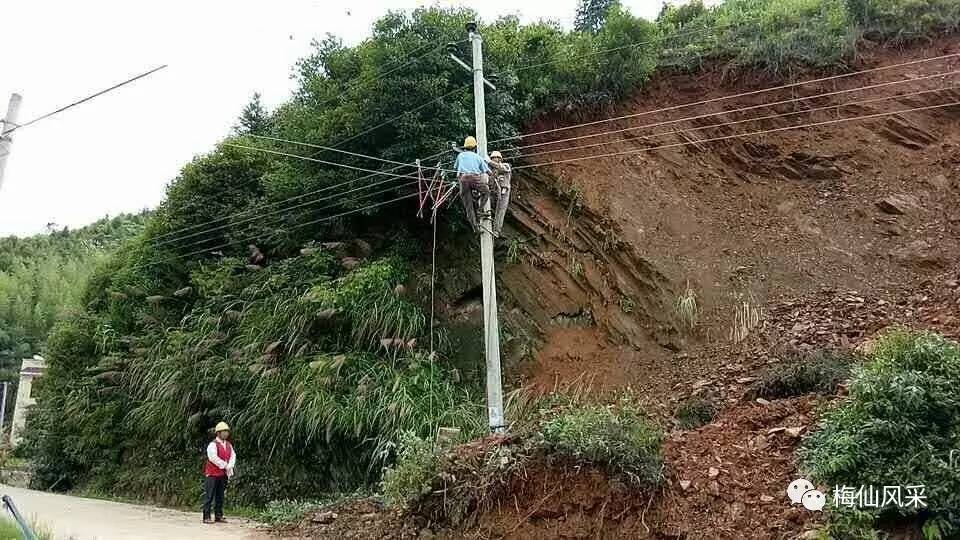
column 491, row 326
column 9, row 122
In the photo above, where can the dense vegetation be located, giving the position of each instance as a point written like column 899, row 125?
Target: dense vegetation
column 41, row 280
column 899, row 426
column 237, row 303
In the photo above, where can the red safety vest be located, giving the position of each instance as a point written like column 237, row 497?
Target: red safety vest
column 224, row 452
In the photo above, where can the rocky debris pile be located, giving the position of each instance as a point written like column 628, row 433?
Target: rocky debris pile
column 731, row 476
column 826, row 319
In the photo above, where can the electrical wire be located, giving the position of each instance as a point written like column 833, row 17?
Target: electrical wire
column 733, row 111
column 313, row 159
column 733, row 96
column 347, row 152
column 399, row 116
column 288, row 229
column 83, row 100
column 399, row 166
column 737, row 136
column 737, row 122
column 280, row 203
column 279, row 211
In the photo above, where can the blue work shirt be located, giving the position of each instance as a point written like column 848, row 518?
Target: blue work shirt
column 471, row 163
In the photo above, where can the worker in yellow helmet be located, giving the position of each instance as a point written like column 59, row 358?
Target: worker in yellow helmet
column 499, row 188
column 221, row 459
column 472, row 173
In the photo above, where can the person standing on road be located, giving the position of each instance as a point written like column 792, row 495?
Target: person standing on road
column 221, row 459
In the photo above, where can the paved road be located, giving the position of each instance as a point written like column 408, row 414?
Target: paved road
column 93, row 519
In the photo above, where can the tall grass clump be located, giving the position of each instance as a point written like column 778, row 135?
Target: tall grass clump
column 897, row 427
column 687, row 309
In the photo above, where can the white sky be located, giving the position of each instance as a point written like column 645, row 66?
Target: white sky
column 118, row 152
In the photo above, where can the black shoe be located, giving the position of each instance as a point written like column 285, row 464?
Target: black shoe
column 208, row 521
column 221, row 520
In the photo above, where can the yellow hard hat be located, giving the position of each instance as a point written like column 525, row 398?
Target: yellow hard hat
column 470, row 142
column 495, row 153
column 222, row 426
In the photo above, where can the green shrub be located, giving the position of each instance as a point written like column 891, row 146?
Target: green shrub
column 899, row 20
column 695, row 412
column 622, row 440
column 820, row 373
column 776, row 36
column 286, row 511
column 419, row 462
column 897, row 427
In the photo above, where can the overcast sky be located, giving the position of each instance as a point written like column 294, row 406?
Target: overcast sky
column 118, row 152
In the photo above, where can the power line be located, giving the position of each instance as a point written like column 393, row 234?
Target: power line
column 733, row 111
column 253, row 238
column 768, row 117
column 158, row 241
column 393, row 119
column 347, row 152
column 399, row 116
column 737, row 136
column 280, row 203
column 734, row 96
column 204, row 232
column 313, row 159
column 83, row 100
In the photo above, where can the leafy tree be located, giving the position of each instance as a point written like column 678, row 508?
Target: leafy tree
column 254, row 119
column 592, row 14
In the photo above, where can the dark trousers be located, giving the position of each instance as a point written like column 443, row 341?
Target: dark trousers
column 214, row 488
column 470, row 183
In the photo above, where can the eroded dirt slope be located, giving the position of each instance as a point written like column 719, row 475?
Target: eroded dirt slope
column 606, row 245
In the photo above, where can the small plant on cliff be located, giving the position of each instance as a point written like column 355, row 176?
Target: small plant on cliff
column 897, row 427
column 622, row 440
column 688, row 311
column 821, row 372
column 514, row 250
column 747, row 315
column 695, row 412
